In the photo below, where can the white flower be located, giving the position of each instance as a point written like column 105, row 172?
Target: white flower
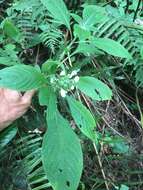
column 62, row 73
column 76, row 79
column 30, row 131
column 37, row 131
column 52, row 80
column 139, row 21
column 74, row 73
column 63, row 92
column 72, row 87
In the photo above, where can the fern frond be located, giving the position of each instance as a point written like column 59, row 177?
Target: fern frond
column 25, row 25
column 28, row 15
column 51, row 38
column 119, row 30
column 28, row 149
column 115, row 29
column 74, row 4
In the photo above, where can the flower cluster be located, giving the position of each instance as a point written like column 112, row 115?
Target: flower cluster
column 65, row 82
column 139, row 21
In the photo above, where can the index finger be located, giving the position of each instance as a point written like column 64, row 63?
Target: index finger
column 11, row 95
column 27, row 97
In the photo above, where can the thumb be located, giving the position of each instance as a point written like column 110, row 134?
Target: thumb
column 27, row 97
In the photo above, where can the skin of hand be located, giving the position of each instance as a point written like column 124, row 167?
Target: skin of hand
column 13, row 105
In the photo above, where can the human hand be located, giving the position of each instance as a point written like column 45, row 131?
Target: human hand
column 13, row 105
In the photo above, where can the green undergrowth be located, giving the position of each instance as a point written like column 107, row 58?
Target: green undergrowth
column 84, row 129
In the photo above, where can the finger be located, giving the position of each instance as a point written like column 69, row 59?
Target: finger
column 11, row 95
column 19, row 113
column 27, row 97
column 1, row 89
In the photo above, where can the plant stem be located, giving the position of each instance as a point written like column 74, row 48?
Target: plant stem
column 101, row 167
column 139, row 108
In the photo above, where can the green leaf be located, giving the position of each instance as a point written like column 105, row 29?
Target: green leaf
column 81, row 33
column 7, row 135
column 8, row 55
column 92, row 15
column 111, row 47
column 47, row 97
column 34, row 41
column 94, row 88
column 88, row 49
column 44, row 94
column 21, row 77
column 82, row 117
column 58, row 11
column 141, row 52
column 62, row 155
column 120, row 147
column 10, row 30
column 22, row 5
column 124, row 187
column 50, row 66
column 76, row 17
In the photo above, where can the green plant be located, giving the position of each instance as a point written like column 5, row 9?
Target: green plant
column 59, row 77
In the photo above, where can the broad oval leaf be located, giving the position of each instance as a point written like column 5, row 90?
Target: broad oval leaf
column 111, row 47
column 92, row 15
column 50, row 66
column 81, row 33
column 47, row 97
column 76, row 17
column 58, row 10
column 82, row 117
column 10, row 30
column 44, row 94
column 94, row 88
column 88, row 49
column 62, row 155
column 21, row 77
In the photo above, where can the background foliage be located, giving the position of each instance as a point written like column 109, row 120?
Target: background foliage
column 84, row 129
